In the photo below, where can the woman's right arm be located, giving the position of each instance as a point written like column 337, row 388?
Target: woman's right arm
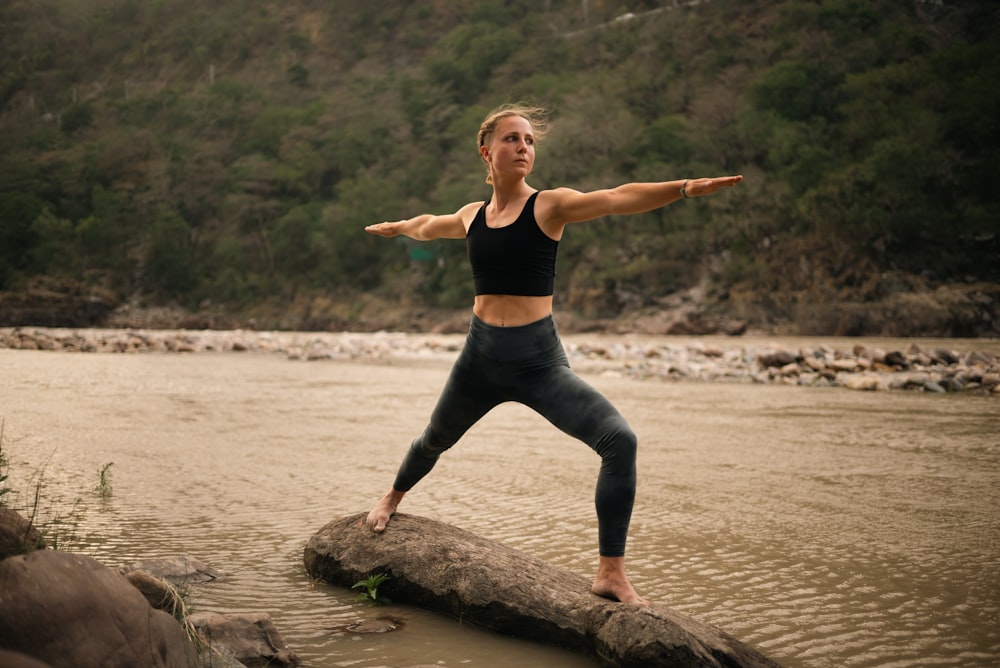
column 428, row 226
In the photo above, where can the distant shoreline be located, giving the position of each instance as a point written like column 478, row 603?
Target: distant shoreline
column 932, row 365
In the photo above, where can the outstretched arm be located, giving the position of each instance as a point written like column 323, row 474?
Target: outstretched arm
column 571, row 206
column 428, row 226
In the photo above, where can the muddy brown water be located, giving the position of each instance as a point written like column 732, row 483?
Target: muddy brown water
column 824, row 526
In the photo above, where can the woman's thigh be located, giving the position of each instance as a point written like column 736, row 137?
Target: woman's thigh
column 467, row 396
column 572, row 405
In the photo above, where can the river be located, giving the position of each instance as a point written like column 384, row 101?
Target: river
column 827, row 527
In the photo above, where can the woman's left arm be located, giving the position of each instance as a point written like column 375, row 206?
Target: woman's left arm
column 572, row 206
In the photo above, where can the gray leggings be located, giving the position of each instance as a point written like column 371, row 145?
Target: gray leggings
column 528, row 365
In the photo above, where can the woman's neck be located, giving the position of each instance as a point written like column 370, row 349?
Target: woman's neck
column 505, row 194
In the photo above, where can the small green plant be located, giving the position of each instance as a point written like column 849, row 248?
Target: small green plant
column 59, row 529
column 370, row 586
column 104, row 480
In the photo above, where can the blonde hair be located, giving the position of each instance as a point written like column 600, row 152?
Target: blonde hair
column 537, row 117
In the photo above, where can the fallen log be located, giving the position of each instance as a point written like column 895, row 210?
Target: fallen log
column 445, row 569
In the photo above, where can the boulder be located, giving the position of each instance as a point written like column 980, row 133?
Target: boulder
column 161, row 594
column 251, row 638
column 177, row 570
column 448, row 570
column 69, row 610
column 18, row 660
column 17, row 535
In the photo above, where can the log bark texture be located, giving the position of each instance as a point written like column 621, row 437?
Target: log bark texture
column 442, row 568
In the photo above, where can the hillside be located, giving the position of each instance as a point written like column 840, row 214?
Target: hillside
column 213, row 164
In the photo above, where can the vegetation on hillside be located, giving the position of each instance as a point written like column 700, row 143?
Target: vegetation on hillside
column 229, row 153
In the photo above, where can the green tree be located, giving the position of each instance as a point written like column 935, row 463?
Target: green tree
column 171, row 269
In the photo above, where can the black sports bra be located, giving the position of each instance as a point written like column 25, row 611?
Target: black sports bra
column 517, row 259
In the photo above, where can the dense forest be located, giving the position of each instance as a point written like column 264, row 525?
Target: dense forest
column 221, row 158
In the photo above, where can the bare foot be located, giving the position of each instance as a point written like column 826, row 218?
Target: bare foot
column 383, row 510
column 611, row 582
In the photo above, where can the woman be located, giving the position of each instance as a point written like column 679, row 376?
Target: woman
column 513, row 351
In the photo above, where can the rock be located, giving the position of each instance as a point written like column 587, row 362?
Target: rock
column 161, row 594
column 789, row 369
column 897, row 359
column 978, row 358
column 377, row 625
column 778, row 358
column 251, row 638
column 814, row 363
column 69, row 610
column 448, row 570
column 944, row 357
column 18, row 660
column 844, row 365
column 953, row 384
column 177, row 570
column 863, row 382
column 17, row 535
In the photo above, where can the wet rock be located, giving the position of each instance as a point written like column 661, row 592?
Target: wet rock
column 443, row 568
column 178, row 570
column 17, row 535
column 251, row 638
column 68, row 609
column 377, row 625
column 161, row 594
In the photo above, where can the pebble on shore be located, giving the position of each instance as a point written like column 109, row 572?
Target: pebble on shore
column 937, row 370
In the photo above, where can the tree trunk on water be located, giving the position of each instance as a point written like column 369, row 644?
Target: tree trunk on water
column 445, row 569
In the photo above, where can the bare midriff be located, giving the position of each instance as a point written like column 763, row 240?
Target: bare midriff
column 511, row 310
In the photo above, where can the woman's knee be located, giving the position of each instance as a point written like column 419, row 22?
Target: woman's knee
column 618, row 442
column 431, row 443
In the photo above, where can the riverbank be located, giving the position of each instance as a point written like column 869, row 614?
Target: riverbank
column 898, row 365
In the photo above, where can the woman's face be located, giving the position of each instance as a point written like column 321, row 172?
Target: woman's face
column 511, row 150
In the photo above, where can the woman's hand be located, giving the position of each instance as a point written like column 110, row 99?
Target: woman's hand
column 384, row 229
column 699, row 187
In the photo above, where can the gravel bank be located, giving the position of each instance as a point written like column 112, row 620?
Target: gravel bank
column 915, row 368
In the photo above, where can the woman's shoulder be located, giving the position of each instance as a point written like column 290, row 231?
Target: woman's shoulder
column 554, row 196
column 550, row 200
